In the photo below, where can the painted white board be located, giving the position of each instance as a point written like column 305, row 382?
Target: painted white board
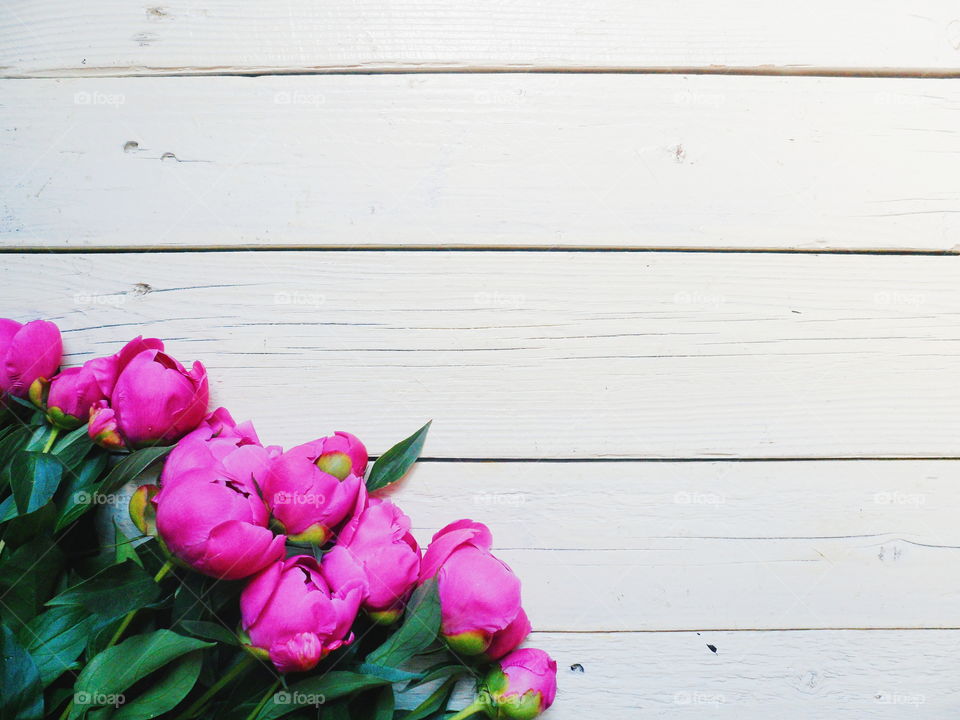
column 641, row 161
column 753, row 675
column 55, row 37
column 541, row 355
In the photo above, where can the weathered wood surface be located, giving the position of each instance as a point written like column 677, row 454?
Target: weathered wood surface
column 542, row 355
column 702, row 555
column 883, row 674
column 634, row 161
column 55, row 37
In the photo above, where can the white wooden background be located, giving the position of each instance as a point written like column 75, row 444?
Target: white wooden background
column 677, row 282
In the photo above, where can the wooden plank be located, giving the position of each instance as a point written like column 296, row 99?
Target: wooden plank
column 752, row 676
column 688, row 546
column 54, row 37
column 542, row 355
column 482, row 160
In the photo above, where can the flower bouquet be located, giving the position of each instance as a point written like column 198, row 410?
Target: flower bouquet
column 253, row 583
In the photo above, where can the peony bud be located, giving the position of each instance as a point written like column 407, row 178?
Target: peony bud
column 342, row 454
column 292, row 614
column 479, row 594
column 308, row 503
column 521, row 686
column 27, row 352
column 67, row 398
column 103, row 427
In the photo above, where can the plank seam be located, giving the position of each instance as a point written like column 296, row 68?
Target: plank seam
column 742, row 71
column 124, row 250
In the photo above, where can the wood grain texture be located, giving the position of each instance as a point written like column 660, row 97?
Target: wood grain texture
column 54, row 37
column 752, row 676
column 721, row 545
column 482, row 160
column 542, row 355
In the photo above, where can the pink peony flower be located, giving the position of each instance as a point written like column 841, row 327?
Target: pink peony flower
column 219, row 441
column 215, row 522
column 152, row 398
column 377, row 547
column 292, row 614
column 479, row 594
column 27, row 353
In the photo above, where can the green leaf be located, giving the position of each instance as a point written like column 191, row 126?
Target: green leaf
column 73, row 447
column 113, row 592
column 8, row 509
column 55, row 639
column 22, row 695
column 23, row 528
column 123, row 547
column 336, row 711
column 12, row 442
column 387, row 673
column 421, row 624
column 433, row 704
column 173, row 684
column 131, row 467
column 27, row 578
column 317, row 691
column 76, row 495
column 39, row 437
column 395, row 462
column 210, row 631
column 34, row 478
column 22, row 401
column 115, row 669
column 383, row 709
column 443, row 671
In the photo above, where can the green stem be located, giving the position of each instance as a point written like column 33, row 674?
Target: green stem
column 263, row 701
column 162, row 573
column 475, row 707
column 232, row 673
column 51, row 439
